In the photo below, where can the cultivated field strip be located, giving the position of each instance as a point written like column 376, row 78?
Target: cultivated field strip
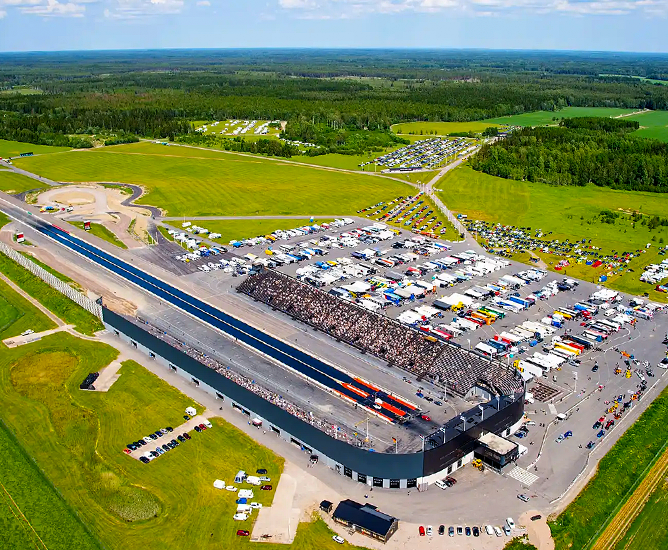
column 616, row 529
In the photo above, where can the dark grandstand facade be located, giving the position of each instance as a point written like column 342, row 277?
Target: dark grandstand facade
column 451, row 447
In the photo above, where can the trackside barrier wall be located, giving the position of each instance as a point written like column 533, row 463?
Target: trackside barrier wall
column 74, row 295
column 377, row 469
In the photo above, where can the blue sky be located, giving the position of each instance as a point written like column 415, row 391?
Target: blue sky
column 617, row 25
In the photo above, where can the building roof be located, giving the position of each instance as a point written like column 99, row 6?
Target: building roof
column 365, row 516
column 497, row 444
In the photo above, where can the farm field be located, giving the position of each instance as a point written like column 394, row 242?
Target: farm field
column 654, row 125
column 18, row 314
column 425, row 129
column 242, row 229
column 54, row 301
column 102, row 232
column 12, row 183
column 618, row 473
column 567, row 212
column 649, row 530
column 540, row 118
column 219, row 183
column 77, row 439
column 32, row 513
column 15, row 148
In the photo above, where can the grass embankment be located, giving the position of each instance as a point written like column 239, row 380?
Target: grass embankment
column 54, row 301
column 77, row 439
column 100, row 231
column 12, row 183
column 541, row 118
column 618, row 473
column 427, row 129
column 17, row 314
column 650, row 529
column 569, row 213
column 53, row 272
column 187, row 181
column 243, row 229
column 15, row 148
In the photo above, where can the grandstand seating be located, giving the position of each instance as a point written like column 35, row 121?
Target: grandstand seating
column 381, row 336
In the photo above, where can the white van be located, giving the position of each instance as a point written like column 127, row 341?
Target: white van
column 489, row 530
column 246, row 493
column 240, row 517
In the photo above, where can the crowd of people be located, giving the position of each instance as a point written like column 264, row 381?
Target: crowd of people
column 331, row 429
column 383, row 337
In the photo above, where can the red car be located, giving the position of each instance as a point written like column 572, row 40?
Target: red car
column 425, row 417
column 266, row 487
column 242, row 533
column 202, row 427
column 421, row 531
column 127, row 451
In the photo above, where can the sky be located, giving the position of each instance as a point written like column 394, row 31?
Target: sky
column 597, row 25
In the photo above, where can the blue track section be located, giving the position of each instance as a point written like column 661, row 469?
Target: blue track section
column 296, row 359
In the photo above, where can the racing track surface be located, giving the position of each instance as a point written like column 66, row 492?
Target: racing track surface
column 358, row 391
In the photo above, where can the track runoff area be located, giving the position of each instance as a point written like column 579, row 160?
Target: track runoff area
column 378, row 402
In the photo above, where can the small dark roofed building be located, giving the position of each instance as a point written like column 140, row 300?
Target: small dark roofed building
column 366, row 519
column 326, row 506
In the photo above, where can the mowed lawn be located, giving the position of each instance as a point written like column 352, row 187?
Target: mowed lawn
column 17, row 314
column 568, row 212
column 77, row 438
column 12, row 183
column 441, row 128
column 187, row 181
column 653, row 124
column 15, row 148
column 541, row 118
column 650, row 529
column 102, row 232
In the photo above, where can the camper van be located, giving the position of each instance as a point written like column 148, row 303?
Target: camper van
column 239, row 478
column 253, row 480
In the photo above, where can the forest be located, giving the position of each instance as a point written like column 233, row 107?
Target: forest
column 580, row 151
column 326, row 96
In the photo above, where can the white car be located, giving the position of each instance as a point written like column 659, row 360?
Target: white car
column 489, row 530
column 510, row 523
column 337, row 538
column 440, row 484
column 265, row 478
column 231, row 488
column 208, row 424
column 430, row 531
column 240, row 517
column 498, row 531
column 255, row 505
column 27, row 332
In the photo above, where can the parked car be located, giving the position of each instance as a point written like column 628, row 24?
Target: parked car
column 510, row 523
column 467, row 530
column 460, row 530
column 590, row 445
column 441, row 530
column 536, row 517
column 476, row 531
column 337, row 538
column 430, row 531
column 600, row 434
column 421, row 531
column 242, row 533
column 497, row 531
column 523, row 498
column 266, row 488
column 261, row 471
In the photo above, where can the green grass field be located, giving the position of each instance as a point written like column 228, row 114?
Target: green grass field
column 541, row 118
column 243, row 229
column 653, row 124
column 618, row 473
column 54, row 301
column 18, row 314
column 650, row 529
column 77, row 439
column 215, row 130
column 32, row 513
column 15, row 148
column 12, row 183
column 347, row 162
column 441, row 128
column 102, row 232
column 187, row 181
column 566, row 211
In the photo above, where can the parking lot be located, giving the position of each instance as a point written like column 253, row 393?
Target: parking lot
column 424, row 154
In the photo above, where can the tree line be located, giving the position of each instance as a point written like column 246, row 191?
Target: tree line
column 581, row 151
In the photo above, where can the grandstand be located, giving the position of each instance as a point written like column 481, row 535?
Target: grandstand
column 446, row 364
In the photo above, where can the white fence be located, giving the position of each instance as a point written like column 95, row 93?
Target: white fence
column 74, row 295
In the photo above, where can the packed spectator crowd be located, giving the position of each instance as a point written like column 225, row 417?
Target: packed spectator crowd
column 333, row 430
column 383, row 337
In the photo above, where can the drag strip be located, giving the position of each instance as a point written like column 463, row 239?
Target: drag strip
column 352, row 389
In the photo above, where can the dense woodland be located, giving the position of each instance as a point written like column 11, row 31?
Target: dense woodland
column 326, row 96
column 581, row 151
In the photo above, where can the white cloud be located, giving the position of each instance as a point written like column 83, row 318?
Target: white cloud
column 136, row 9
column 325, row 9
column 2, row 14
column 203, row 3
column 53, row 8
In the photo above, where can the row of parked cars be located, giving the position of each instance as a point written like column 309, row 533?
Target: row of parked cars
column 167, row 446
column 506, row 528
